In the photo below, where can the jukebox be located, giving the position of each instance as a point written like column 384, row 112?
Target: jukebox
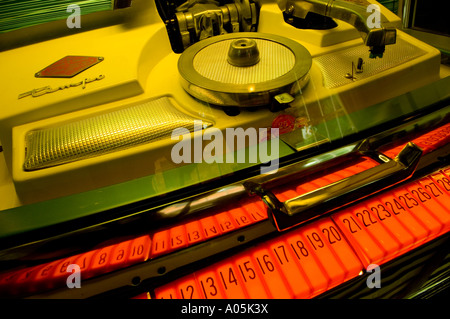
column 230, row 149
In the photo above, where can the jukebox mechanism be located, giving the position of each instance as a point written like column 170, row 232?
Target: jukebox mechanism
column 131, row 168
column 247, row 69
column 195, row 20
column 358, row 13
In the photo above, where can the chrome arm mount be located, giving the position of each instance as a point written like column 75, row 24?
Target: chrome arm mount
column 355, row 12
column 200, row 19
column 195, row 20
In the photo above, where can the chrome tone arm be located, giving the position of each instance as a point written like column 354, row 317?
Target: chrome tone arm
column 353, row 12
column 348, row 190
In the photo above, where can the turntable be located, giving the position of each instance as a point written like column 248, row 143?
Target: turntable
column 245, row 70
column 304, row 82
column 90, row 124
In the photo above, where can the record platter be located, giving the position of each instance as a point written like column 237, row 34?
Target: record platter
column 244, row 70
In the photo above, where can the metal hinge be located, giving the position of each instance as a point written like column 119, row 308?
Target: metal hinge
column 201, row 19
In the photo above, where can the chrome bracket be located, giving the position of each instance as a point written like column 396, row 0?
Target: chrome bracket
column 201, row 19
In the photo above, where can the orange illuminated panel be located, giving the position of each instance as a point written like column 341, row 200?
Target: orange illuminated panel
column 42, row 278
column 288, row 188
column 246, row 272
column 430, row 203
column 437, row 194
column 84, row 262
column 119, row 255
column 19, row 282
column 331, row 178
column 160, row 243
column 144, row 295
column 344, row 173
column 434, row 139
column 427, row 142
column 319, row 182
column 322, row 179
column 446, row 173
column 177, row 237
column 305, row 259
column 418, row 211
column 295, row 276
column 230, row 280
column 319, row 256
column 360, row 166
column 240, row 217
column 285, row 194
column 187, row 288
column 183, row 288
column 380, row 235
column 396, row 209
column 306, row 187
column 272, row 276
column 226, row 222
column 60, row 273
column 7, row 279
column 393, row 224
column 442, row 180
column 100, row 261
column 395, row 221
column 309, row 260
column 210, row 227
column 209, row 284
column 166, row 292
column 139, row 250
column 359, row 238
column 194, row 232
column 431, row 187
column 332, row 237
column 331, row 268
column 255, row 209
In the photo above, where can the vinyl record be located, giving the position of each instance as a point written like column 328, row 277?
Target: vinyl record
column 246, row 69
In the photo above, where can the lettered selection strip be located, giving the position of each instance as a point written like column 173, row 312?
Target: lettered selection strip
column 44, row 277
column 312, row 259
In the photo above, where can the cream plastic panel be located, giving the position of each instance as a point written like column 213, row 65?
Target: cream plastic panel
column 139, row 65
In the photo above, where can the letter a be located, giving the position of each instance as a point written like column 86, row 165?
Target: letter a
column 374, row 280
column 184, row 146
column 216, row 146
column 74, row 20
column 74, row 280
column 373, row 20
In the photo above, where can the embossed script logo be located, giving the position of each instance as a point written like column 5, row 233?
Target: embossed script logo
column 48, row 89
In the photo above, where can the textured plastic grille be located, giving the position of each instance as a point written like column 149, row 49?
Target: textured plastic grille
column 106, row 133
column 275, row 61
column 336, row 65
